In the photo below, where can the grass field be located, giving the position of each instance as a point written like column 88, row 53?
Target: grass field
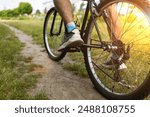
column 35, row 28
column 32, row 27
column 16, row 78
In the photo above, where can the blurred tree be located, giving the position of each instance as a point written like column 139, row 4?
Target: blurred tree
column 45, row 10
column 15, row 12
column 73, row 7
column 25, row 8
column 81, row 6
column 38, row 12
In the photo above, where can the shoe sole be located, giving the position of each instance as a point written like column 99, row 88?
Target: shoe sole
column 76, row 43
column 111, row 67
column 70, row 44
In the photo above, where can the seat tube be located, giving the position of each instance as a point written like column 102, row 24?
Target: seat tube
column 52, row 27
column 85, row 18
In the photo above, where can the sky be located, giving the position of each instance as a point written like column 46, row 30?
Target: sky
column 36, row 4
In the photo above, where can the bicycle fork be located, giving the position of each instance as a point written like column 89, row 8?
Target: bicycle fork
column 56, row 32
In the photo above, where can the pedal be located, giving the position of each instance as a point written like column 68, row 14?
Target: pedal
column 76, row 49
column 71, row 49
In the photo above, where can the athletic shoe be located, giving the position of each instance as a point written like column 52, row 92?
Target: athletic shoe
column 116, row 57
column 112, row 62
column 72, row 39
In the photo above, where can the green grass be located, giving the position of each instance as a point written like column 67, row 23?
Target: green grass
column 15, row 75
column 76, row 68
column 77, row 65
column 32, row 27
column 35, row 27
column 138, row 64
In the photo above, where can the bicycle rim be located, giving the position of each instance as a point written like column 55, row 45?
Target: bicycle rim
column 135, row 31
column 53, row 38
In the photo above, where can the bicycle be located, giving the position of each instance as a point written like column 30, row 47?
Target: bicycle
column 97, row 32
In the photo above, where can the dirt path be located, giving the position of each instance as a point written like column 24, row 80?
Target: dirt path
column 56, row 82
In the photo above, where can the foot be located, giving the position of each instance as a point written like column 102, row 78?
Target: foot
column 116, row 57
column 113, row 62
column 72, row 39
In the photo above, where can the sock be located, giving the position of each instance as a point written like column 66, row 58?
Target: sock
column 70, row 26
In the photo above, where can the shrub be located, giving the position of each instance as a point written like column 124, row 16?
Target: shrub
column 25, row 8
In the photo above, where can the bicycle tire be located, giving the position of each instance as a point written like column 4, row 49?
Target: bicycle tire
column 54, row 55
column 144, row 89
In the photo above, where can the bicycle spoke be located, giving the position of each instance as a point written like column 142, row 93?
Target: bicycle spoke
column 131, row 27
column 139, row 35
column 102, row 70
column 146, row 53
column 100, row 56
column 95, row 40
column 104, row 30
column 125, row 20
column 118, row 13
column 123, row 70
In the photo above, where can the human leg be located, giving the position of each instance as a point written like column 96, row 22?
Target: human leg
column 65, row 10
column 115, row 23
column 72, row 38
column 115, row 36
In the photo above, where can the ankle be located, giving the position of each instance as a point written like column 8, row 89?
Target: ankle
column 70, row 26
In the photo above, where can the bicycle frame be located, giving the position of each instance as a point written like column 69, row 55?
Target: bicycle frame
column 53, row 23
column 84, row 22
column 89, row 6
column 85, row 18
column 93, row 14
column 98, row 31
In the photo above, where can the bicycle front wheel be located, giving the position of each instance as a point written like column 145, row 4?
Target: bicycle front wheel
column 132, row 27
column 53, row 33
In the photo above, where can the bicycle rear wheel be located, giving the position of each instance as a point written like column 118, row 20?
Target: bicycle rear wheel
column 132, row 82
column 53, row 33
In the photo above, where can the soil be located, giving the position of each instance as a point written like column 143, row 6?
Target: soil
column 56, row 82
